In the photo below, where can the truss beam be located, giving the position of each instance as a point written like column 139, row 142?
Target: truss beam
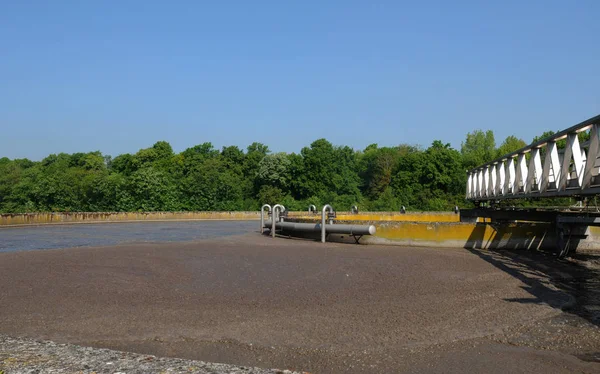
column 540, row 170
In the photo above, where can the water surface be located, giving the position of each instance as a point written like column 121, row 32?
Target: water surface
column 103, row 234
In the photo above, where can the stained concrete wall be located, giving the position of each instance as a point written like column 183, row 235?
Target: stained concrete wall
column 93, row 217
column 384, row 216
column 478, row 235
column 469, row 235
column 523, row 235
column 87, row 217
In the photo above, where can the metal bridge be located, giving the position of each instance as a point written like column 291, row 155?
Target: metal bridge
column 541, row 170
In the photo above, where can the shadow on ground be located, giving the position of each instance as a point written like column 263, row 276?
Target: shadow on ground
column 546, row 277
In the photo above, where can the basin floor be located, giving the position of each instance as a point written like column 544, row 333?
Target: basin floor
column 302, row 305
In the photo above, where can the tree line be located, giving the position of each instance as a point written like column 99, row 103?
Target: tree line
column 203, row 178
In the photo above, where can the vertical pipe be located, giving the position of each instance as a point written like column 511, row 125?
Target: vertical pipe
column 262, row 217
column 274, row 220
column 281, row 210
column 325, row 208
column 277, row 208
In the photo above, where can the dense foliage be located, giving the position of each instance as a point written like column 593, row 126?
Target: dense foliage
column 204, row 178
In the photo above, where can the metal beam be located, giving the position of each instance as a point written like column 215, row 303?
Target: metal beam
column 533, row 215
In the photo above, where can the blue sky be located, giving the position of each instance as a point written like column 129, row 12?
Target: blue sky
column 117, row 76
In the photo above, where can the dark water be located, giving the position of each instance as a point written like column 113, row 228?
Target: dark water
column 91, row 235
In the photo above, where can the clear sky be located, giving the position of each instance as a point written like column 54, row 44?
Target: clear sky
column 117, row 76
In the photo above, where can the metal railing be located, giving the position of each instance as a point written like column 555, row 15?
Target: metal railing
column 545, row 172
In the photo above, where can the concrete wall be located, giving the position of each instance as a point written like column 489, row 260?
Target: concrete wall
column 385, row 216
column 439, row 234
column 94, row 217
column 83, row 217
column 470, row 235
column 477, row 235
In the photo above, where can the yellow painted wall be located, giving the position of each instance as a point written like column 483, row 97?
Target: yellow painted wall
column 475, row 235
column 386, row 216
column 428, row 231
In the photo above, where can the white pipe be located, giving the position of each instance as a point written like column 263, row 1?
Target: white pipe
column 332, row 229
column 281, row 210
column 277, row 208
column 312, row 208
column 325, row 208
column 262, row 217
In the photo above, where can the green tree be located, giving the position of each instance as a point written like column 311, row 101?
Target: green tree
column 11, row 174
column 270, row 195
column 254, row 155
column 123, row 164
column 274, row 170
column 509, row 145
column 108, row 192
column 478, row 148
column 377, row 166
column 209, row 185
column 163, row 150
column 149, row 190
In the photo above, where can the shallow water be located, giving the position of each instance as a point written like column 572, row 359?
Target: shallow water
column 92, row 235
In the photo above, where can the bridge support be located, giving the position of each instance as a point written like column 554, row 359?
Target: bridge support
column 568, row 228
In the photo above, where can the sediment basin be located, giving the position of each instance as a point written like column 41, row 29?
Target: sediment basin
column 242, row 298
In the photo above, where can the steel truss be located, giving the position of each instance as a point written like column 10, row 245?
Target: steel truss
column 540, row 170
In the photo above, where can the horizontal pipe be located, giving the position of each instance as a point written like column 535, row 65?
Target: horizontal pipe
column 330, row 229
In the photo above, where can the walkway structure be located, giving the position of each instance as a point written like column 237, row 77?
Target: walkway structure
column 541, row 170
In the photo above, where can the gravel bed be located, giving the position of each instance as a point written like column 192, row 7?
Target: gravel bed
column 18, row 355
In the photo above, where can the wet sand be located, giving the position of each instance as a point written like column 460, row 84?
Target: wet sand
column 302, row 305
